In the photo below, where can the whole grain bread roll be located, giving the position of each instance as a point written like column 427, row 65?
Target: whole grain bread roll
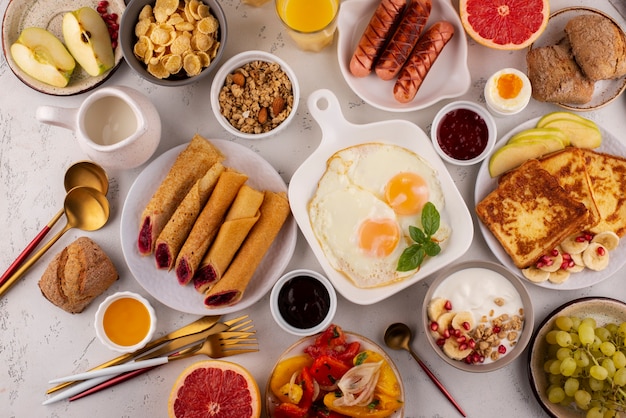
column 77, row 275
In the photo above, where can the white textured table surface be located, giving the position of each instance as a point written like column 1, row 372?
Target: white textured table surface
column 39, row 341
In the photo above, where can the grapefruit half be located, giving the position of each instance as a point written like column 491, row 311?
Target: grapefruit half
column 504, row 24
column 215, row 388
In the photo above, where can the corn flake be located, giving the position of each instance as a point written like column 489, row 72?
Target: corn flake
column 192, row 64
column 208, row 25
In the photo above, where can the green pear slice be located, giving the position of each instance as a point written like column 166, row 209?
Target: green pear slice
column 563, row 115
column 513, row 155
column 87, row 38
column 580, row 134
column 540, row 133
column 43, row 56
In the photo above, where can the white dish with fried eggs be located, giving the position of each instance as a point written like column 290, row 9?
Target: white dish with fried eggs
column 408, row 144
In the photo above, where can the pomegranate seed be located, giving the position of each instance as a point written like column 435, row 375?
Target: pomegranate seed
column 601, row 251
column 588, row 237
column 434, row 326
column 567, row 256
column 466, row 326
column 476, row 357
column 448, row 305
column 571, row 264
column 564, row 265
column 446, row 333
column 468, row 359
column 481, row 359
column 463, row 346
column 549, row 262
column 441, row 341
column 501, row 349
column 114, row 44
column 472, row 344
column 457, row 333
column 540, row 264
column 496, row 329
column 555, row 252
column 461, row 339
column 581, row 238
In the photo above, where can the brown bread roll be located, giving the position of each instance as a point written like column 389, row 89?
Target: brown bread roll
column 77, row 275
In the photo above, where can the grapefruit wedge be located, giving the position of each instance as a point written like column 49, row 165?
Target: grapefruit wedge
column 504, row 24
column 215, row 388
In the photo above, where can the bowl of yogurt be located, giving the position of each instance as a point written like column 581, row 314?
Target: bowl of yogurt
column 478, row 316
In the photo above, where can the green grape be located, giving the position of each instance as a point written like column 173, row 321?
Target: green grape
column 555, row 379
column 585, row 333
column 555, row 367
column 568, row 366
column 595, row 345
column 551, row 337
column 619, row 378
column 563, row 338
column 610, row 413
column 547, row 365
column 582, row 359
column 607, row 348
column 582, row 398
column 619, row 359
column 595, row 412
column 564, row 323
column 575, row 339
column 621, row 329
column 598, row 372
column 556, row 394
column 603, row 334
column 608, row 364
column 563, row 353
column 590, row 321
column 575, row 322
column 612, row 327
column 570, row 386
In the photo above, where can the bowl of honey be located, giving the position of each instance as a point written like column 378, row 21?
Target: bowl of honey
column 125, row 322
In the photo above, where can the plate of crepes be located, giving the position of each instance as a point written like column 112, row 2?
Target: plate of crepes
column 556, row 221
column 48, row 16
column 354, row 377
column 579, row 61
column 359, row 193
column 206, row 227
column 368, row 53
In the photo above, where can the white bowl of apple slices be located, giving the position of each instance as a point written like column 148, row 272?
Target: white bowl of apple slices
column 62, row 48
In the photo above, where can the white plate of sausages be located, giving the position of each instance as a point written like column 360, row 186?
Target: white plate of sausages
column 448, row 77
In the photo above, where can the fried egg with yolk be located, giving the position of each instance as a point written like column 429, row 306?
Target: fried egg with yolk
column 363, row 206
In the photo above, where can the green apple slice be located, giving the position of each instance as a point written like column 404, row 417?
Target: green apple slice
column 563, row 115
column 513, row 155
column 43, row 56
column 540, row 133
column 581, row 134
column 87, row 38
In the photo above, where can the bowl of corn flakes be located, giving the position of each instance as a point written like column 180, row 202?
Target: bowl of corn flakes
column 173, row 42
column 255, row 95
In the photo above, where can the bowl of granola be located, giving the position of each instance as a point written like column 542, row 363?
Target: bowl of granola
column 478, row 316
column 255, row 95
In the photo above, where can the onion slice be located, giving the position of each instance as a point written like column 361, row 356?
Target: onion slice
column 358, row 384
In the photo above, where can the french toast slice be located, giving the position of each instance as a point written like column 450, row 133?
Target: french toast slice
column 608, row 181
column 569, row 168
column 529, row 213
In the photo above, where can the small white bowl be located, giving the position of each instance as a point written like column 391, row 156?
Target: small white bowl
column 492, row 132
column 128, row 324
column 318, row 285
column 233, row 64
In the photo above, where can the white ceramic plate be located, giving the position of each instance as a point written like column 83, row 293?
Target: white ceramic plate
column 162, row 284
column 448, row 78
column 48, row 15
column 485, row 184
column 337, row 133
column 605, row 91
column 298, row 348
column 603, row 310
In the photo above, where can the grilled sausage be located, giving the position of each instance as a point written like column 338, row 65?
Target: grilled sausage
column 421, row 60
column 374, row 38
column 403, row 40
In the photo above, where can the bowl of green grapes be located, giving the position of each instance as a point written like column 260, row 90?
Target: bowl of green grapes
column 577, row 359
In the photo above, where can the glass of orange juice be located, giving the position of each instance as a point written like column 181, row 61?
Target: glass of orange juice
column 310, row 23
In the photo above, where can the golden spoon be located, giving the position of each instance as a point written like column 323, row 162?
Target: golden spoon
column 85, row 208
column 82, row 173
column 398, row 336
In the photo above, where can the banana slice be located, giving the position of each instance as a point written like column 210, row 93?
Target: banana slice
column 596, row 257
column 608, row 239
column 559, row 276
column 436, row 307
column 574, row 245
column 462, row 318
column 451, row 349
column 444, row 321
column 536, row 275
column 554, row 263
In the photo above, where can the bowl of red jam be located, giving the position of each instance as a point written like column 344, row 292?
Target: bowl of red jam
column 303, row 302
column 463, row 133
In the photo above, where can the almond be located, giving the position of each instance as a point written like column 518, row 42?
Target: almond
column 262, row 115
column 239, row 79
column 277, row 105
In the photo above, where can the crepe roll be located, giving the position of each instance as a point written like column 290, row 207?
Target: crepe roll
column 173, row 236
column 191, row 164
column 231, row 287
column 207, row 225
column 240, row 218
